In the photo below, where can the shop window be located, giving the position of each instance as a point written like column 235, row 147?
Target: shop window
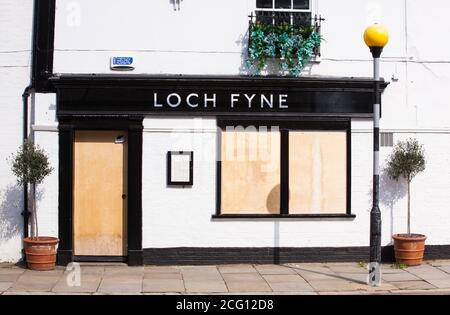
column 250, row 181
column 284, row 169
column 317, row 172
column 295, row 12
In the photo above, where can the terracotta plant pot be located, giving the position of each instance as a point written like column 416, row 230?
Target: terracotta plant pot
column 409, row 248
column 41, row 252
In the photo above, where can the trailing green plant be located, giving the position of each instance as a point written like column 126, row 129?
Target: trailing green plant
column 406, row 161
column 293, row 45
column 398, row 266
column 362, row 264
column 30, row 165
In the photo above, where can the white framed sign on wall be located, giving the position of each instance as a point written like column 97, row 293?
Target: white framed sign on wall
column 180, row 168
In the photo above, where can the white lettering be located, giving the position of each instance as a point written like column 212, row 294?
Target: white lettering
column 250, row 99
column 265, row 100
column 155, row 101
column 196, row 306
column 233, row 99
column 283, row 100
column 174, row 104
column 188, row 100
column 213, row 100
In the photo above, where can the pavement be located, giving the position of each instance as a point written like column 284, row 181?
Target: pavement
column 433, row 277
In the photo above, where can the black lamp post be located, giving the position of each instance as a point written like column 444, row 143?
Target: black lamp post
column 376, row 37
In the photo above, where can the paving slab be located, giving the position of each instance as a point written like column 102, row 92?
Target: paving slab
column 429, row 273
column 288, row 283
column 27, row 293
column 5, row 286
column 245, row 282
column 9, row 277
column 206, row 279
column 198, row 268
column 412, row 285
column 236, row 269
column 385, row 269
column 445, row 269
column 439, row 262
column 120, row 286
column 274, row 270
column 91, row 270
column 206, row 287
column 37, row 281
column 89, row 283
column 331, row 285
column 354, row 292
column 421, row 292
column 385, row 286
column 163, row 276
column 316, row 273
column 404, row 276
column 346, row 268
column 163, row 284
column 161, row 269
column 125, row 271
column 354, row 277
column 440, row 283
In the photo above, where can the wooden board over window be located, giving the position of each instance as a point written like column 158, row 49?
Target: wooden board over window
column 250, row 182
column 317, row 172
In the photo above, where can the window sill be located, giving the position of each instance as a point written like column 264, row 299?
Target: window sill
column 283, row 216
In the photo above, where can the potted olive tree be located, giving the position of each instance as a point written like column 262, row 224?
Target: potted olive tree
column 30, row 165
column 405, row 162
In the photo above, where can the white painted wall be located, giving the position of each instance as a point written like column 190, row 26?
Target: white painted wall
column 15, row 45
column 209, row 37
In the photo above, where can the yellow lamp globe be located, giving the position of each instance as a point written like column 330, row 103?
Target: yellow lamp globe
column 376, row 35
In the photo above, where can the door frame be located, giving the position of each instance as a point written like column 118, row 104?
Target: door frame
column 67, row 127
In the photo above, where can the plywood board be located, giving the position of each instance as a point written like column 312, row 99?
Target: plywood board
column 100, row 181
column 317, row 172
column 250, row 172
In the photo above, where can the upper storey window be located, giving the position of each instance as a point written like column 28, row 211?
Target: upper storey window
column 294, row 12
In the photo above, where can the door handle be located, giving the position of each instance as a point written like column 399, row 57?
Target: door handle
column 124, row 196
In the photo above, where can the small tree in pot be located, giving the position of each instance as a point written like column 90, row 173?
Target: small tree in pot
column 406, row 161
column 30, row 165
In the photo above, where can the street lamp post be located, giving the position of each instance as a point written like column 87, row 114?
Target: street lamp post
column 376, row 37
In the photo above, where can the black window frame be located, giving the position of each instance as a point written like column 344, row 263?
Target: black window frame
column 298, row 17
column 172, row 183
column 285, row 125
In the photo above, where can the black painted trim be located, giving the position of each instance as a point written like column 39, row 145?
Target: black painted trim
column 65, row 227
column 64, row 257
column 284, row 172
column 282, row 216
column 134, row 95
column 190, row 182
column 100, row 258
column 67, row 128
column 349, row 168
column 43, row 44
column 271, row 255
column 218, row 171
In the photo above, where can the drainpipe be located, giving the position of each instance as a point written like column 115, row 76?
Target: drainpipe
column 25, row 213
column 25, row 96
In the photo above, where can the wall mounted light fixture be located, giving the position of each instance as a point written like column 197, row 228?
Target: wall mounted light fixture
column 176, row 4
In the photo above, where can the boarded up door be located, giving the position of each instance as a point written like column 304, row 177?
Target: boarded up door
column 100, row 191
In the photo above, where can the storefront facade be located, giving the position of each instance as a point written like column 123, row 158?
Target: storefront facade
column 279, row 168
